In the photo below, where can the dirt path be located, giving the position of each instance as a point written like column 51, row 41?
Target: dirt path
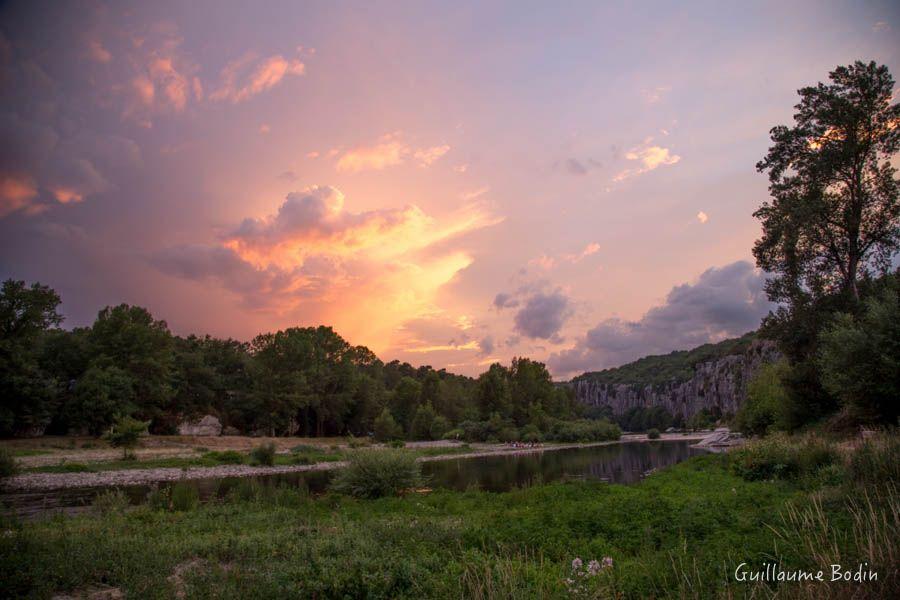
column 125, row 477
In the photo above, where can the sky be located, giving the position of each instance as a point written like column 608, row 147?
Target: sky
column 451, row 184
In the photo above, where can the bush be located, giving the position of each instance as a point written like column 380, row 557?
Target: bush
column 377, row 473
column 159, row 498
column 264, row 454
column 454, row 434
column 509, row 434
column 653, row 434
column 110, row 501
column 304, row 448
column 780, row 457
column 766, row 407
column 530, row 434
column 439, row 427
column 8, row 464
column 126, row 433
column 355, row 442
column 185, row 496
column 226, row 457
column 396, row 444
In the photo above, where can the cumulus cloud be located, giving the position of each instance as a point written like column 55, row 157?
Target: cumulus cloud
column 650, row 157
column 16, row 193
column 702, row 217
column 390, row 150
column 543, row 315
column 724, row 302
column 373, row 274
column 250, row 75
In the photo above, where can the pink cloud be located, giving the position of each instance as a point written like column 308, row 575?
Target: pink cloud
column 244, row 78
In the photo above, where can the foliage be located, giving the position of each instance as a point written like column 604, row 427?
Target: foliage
column 860, row 357
column 8, row 464
column 225, row 457
column 653, row 434
column 396, row 444
column 667, row 536
column 642, row 418
column 767, row 406
column 99, row 396
column 422, row 422
column 386, row 428
column 126, row 433
column 782, row 457
column 835, row 210
column 184, row 496
column 377, row 473
column 110, row 501
column 583, row 431
column 674, row 367
column 264, row 454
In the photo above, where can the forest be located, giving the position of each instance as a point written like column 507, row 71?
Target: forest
column 305, row 381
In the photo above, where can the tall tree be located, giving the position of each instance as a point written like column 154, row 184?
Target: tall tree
column 834, row 216
column 27, row 392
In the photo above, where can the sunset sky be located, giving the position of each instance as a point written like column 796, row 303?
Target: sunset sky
column 447, row 183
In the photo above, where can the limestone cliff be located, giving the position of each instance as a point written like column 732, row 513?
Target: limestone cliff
column 718, row 384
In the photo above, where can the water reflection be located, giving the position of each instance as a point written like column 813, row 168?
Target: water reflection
column 626, row 463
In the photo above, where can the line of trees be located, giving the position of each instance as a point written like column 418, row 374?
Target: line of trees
column 299, row 381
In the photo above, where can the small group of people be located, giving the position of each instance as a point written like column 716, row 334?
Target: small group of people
column 525, row 445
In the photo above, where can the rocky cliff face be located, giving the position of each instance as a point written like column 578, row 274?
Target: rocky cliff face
column 717, row 385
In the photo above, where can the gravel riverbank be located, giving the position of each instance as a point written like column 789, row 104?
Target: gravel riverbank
column 125, row 477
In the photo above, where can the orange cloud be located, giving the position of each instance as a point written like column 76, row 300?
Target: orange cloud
column 366, row 272
column 97, row 52
column 245, row 77
column 390, row 151
column 650, row 157
column 16, row 193
column 65, row 195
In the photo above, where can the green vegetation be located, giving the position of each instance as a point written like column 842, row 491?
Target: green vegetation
column 125, row 434
column 767, row 407
column 674, row 367
column 264, row 454
column 653, row 434
column 8, row 465
column 378, row 473
column 306, row 381
column 680, row 533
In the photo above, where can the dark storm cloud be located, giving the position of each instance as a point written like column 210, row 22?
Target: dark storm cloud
column 543, row 315
column 724, row 302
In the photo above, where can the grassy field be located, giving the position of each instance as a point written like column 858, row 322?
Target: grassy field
column 680, row 533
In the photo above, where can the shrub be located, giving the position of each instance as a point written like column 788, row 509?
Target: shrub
column 653, row 434
column 126, row 433
column 779, row 457
column 377, row 473
column 185, row 496
column 8, row 464
column 439, row 427
column 110, row 501
column 226, row 457
column 355, row 442
column 454, row 434
column 396, row 444
column 530, row 434
column 304, row 448
column 264, row 454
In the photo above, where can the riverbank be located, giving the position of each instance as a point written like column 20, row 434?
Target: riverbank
column 142, row 476
column 682, row 532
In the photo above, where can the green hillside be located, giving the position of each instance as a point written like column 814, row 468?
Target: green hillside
column 664, row 368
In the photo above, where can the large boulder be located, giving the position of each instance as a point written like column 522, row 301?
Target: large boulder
column 207, row 426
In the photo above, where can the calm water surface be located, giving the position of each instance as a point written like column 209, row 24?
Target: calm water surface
column 626, row 462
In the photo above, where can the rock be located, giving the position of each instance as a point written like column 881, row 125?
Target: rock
column 721, row 438
column 231, row 431
column 717, row 385
column 207, row 426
